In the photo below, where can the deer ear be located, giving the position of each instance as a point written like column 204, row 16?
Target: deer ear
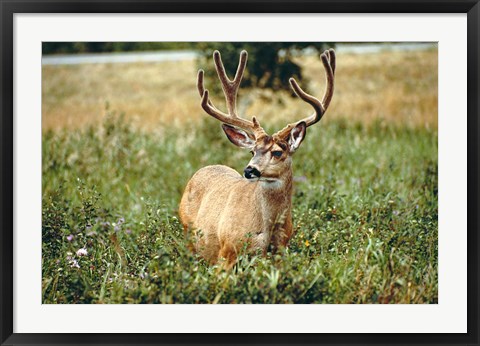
column 238, row 137
column 297, row 134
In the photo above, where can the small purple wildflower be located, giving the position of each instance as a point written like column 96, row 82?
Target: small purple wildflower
column 121, row 220
column 117, row 228
column 395, row 212
column 70, row 237
column 128, row 231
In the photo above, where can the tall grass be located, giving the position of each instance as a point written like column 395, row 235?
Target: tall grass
column 365, row 213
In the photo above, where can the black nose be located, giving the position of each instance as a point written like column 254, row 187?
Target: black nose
column 251, row 172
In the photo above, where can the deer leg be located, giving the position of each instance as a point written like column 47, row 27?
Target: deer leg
column 229, row 255
column 281, row 234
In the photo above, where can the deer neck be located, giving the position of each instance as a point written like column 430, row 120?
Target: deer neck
column 276, row 195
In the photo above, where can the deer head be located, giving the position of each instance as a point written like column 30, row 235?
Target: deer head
column 271, row 154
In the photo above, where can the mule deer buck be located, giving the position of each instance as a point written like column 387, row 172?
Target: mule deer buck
column 223, row 211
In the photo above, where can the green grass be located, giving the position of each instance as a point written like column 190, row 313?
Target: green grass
column 365, row 213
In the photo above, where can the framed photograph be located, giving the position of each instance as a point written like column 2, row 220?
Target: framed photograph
column 270, row 172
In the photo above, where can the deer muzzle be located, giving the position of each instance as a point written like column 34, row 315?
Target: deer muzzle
column 251, row 172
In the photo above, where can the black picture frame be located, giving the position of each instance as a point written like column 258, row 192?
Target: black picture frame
column 10, row 7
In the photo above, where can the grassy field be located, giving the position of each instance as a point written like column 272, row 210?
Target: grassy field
column 365, row 199
column 399, row 88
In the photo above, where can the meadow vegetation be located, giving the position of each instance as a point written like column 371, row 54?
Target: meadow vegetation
column 365, row 205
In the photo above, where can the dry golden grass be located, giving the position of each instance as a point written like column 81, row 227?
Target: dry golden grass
column 398, row 87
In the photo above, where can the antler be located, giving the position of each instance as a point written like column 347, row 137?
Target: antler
column 328, row 60
column 230, row 89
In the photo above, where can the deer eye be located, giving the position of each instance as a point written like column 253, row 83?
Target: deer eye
column 276, row 153
column 252, row 152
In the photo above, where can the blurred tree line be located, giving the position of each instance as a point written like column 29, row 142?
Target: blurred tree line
column 270, row 64
column 109, row 47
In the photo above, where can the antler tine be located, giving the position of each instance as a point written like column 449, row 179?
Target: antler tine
column 329, row 63
column 313, row 101
column 200, row 86
column 333, row 59
column 230, row 89
column 201, row 91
